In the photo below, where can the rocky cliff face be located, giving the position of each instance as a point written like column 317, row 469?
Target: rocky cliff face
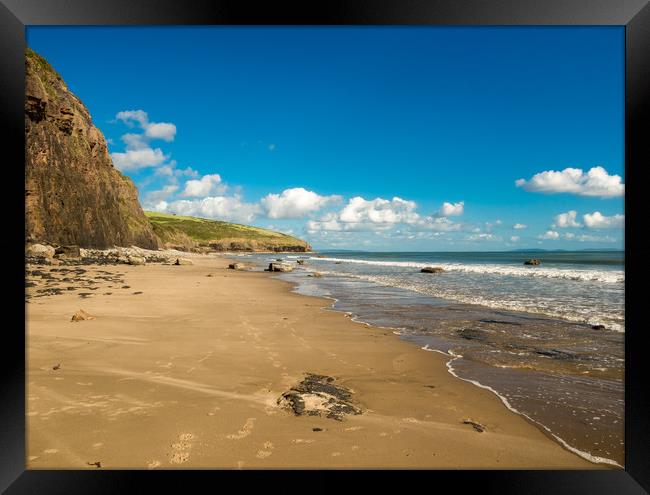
column 73, row 193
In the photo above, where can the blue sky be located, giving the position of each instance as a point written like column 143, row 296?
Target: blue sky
column 378, row 138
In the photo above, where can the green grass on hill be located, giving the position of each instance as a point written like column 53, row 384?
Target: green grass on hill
column 171, row 227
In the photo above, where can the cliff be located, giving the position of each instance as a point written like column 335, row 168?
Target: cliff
column 73, row 194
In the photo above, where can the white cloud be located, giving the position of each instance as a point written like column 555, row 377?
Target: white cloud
column 161, row 206
column 597, row 220
column 381, row 215
column 549, row 234
column 596, row 182
column 295, row 203
column 569, row 235
column 130, row 117
column 153, row 130
column 139, row 154
column 205, row 186
column 566, row 220
column 227, row 208
column 519, row 226
column 514, row 238
column 593, row 238
column 134, row 141
column 379, row 211
column 161, row 130
column 155, row 197
column 136, row 159
column 481, row 237
column 451, row 209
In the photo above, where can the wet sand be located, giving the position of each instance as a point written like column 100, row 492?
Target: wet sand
column 179, row 369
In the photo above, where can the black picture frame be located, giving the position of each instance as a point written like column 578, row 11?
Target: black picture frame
column 15, row 15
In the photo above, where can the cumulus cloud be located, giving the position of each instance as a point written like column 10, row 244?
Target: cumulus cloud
column 566, row 220
column 379, row 211
column 519, row 226
column 380, row 214
column 550, row 234
column 597, row 220
column 295, row 203
column 154, row 198
column 228, row 208
column 514, row 238
column 482, row 237
column 595, row 183
column 131, row 117
column 138, row 158
column 160, row 130
column 205, row 186
column 153, row 130
column 451, row 209
column 593, row 238
column 139, row 153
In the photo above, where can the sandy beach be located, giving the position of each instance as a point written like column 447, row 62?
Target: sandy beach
column 182, row 367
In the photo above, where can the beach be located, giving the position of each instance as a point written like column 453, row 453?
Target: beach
column 182, row 367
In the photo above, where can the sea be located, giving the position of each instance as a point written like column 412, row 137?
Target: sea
column 548, row 340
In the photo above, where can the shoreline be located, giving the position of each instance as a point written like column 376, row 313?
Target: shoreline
column 269, row 340
column 453, row 357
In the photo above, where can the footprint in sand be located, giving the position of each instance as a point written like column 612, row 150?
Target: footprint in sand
column 244, row 432
column 268, row 450
column 180, row 449
column 302, row 440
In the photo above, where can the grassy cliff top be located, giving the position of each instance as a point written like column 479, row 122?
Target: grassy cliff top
column 204, row 230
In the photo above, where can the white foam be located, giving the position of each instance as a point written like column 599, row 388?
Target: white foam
column 585, row 315
column 604, row 276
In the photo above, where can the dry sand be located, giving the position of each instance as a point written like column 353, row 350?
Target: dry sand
column 183, row 370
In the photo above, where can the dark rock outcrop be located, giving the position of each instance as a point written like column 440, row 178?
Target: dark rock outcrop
column 533, row 262
column 317, row 395
column 73, row 194
column 431, row 269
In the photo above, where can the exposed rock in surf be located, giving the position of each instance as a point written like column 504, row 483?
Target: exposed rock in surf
column 431, row 269
column 501, row 322
column 279, row 267
column 236, row 266
column 315, row 275
column 555, row 353
column 300, row 262
column 533, row 262
column 472, row 334
column 317, row 395
column 598, row 327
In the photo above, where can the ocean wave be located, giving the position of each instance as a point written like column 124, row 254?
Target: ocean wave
column 551, row 308
column 603, row 276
